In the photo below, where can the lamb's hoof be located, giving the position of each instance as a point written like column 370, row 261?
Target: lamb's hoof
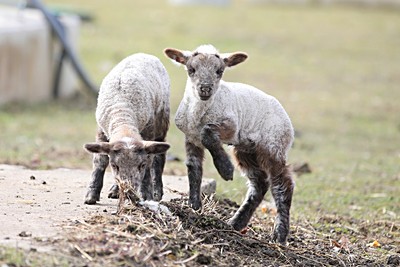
column 146, row 196
column 232, row 222
column 114, row 192
column 196, row 205
column 225, row 168
column 280, row 239
column 91, row 198
column 157, row 196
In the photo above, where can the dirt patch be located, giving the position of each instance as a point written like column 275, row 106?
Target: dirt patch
column 141, row 237
column 35, row 203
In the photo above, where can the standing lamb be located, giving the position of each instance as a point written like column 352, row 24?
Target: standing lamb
column 214, row 112
column 133, row 119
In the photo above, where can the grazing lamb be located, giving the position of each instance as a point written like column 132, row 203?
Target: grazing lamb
column 214, row 112
column 133, row 119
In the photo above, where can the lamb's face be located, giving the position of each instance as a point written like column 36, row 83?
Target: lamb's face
column 205, row 72
column 129, row 159
column 205, row 67
column 128, row 163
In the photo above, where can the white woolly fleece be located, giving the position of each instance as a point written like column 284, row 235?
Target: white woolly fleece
column 132, row 93
column 207, row 49
column 258, row 117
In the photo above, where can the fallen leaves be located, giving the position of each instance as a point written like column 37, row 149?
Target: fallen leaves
column 343, row 244
column 244, row 231
column 268, row 208
column 374, row 244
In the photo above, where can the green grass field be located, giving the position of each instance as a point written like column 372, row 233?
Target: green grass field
column 336, row 71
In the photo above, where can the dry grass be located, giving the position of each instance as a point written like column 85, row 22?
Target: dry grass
column 141, row 237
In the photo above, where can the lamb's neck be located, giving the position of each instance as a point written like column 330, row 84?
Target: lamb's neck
column 125, row 132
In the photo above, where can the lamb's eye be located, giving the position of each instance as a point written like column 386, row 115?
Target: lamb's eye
column 114, row 166
column 219, row 72
column 191, row 71
column 142, row 166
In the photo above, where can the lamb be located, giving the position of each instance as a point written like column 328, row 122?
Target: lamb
column 133, row 119
column 214, row 112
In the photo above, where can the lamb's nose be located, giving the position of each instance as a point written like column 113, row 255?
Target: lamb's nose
column 205, row 88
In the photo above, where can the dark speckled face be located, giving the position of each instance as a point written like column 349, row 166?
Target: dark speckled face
column 205, row 72
column 205, row 67
column 129, row 164
column 129, row 159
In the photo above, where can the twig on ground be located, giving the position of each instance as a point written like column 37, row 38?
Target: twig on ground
column 84, row 254
column 188, row 259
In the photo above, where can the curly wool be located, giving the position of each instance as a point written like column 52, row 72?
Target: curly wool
column 132, row 93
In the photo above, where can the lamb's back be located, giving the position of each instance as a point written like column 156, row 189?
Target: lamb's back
column 260, row 117
column 133, row 92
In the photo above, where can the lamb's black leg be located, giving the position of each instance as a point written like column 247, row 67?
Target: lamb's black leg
column 210, row 138
column 282, row 186
column 100, row 163
column 258, row 186
column 158, row 167
column 160, row 132
column 194, row 163
column 146, row 188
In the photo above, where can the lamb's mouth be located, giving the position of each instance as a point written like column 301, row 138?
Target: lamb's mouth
column 205, row 92
column 204, row 97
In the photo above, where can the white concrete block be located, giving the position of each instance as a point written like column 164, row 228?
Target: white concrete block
column 27, row 56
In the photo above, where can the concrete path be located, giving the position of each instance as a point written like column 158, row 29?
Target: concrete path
column 35, row 203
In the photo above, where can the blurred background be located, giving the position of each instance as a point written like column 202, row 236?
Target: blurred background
column 334, row 65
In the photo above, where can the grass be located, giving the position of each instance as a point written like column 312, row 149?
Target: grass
column 17, row 257
column 335, row 70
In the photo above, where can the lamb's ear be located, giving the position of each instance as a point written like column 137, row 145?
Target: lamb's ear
column 234, row 58
column 178, row 55
column 152, row 147
column 101, row 148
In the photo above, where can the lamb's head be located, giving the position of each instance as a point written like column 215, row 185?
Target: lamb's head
column 129, row 159
column 205, row 67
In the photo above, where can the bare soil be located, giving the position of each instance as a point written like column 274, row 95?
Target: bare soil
column 34, row 204
column 41, row 212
